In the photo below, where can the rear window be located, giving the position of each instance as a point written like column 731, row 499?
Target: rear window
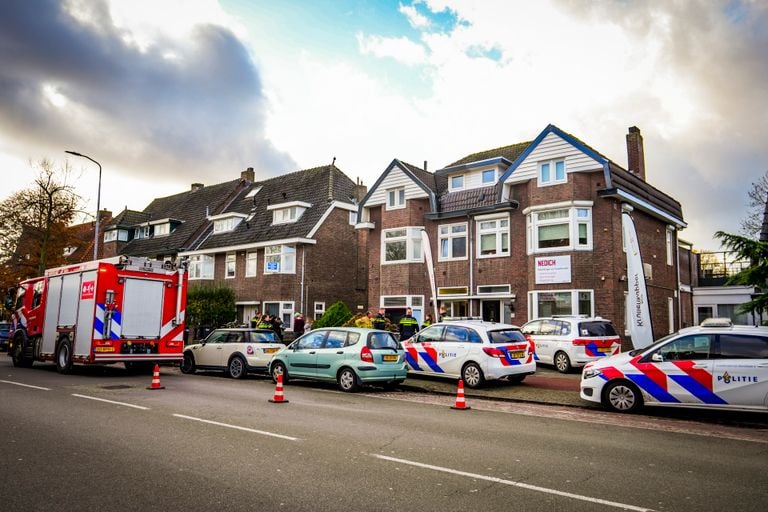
column 596, row 329
column 506, row 336
column 263, row 337
column 382, row 340
column 735, row 346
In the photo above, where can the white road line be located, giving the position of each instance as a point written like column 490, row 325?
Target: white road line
column 246, row 429
column 24, row 385
column 111, row 402
column 515, row 484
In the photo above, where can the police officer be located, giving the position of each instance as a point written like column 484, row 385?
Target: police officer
column 380, row 321
column 408, row 325
column 427, row 321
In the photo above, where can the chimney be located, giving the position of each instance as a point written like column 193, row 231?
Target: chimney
column 360, row 191
column 105, row 214
column 635, row 155
column 248, row 175
column 197, row 186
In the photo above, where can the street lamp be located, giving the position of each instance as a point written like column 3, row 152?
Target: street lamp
column 98, row 204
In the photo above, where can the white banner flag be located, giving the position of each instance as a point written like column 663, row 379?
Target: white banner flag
column 639, row 312
column 431, row 269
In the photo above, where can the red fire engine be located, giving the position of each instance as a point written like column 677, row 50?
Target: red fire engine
column 128, row 310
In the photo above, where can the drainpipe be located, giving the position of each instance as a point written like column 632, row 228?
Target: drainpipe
column 301, row 299
column 471, row 261
column 679, row 293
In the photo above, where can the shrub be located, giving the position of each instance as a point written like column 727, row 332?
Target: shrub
column 210, row 305
column 334, row 316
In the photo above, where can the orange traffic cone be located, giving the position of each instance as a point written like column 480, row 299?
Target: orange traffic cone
column 156, row 379
column 279, row 398
column 460, row 403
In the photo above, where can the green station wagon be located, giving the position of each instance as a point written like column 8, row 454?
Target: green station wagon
column 350, row 356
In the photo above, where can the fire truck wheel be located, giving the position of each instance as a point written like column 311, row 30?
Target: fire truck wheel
column 64, row 356
column 188, row 364
column 236, row 368
column 17, row 355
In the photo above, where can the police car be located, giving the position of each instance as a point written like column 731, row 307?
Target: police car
column 472, row 350
column 714, row 365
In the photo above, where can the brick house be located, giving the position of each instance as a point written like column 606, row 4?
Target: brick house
column 523, row 231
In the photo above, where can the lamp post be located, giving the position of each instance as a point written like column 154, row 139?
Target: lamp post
column 98, row 204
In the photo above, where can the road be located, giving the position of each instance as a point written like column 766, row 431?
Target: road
column 100, row 440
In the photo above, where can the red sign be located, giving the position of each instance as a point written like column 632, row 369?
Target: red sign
column 88, row 291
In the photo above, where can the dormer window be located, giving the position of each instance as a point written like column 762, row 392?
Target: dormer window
column 226, row 222
column 457, row 182
column 287, row 213
column 163, row 229
column 141, row 232
column 68, row 251
column 489, row 177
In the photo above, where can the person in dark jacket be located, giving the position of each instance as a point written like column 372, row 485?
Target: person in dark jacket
column 408, row 325
column 298, row 325
column 380, row 321
column 427, row 321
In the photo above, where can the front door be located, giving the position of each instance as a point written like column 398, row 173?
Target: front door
column 302, row 357
column 491, row 310
column 741, row 370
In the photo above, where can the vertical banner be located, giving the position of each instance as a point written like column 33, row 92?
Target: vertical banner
column 431, row 270
column 639, row 312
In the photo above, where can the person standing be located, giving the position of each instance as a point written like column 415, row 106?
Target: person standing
column 427, row 321
column 298, row 324
column 443, row 313
column 408, row 325
column 380, row 321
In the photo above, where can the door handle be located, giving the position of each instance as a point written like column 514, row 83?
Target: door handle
column 340, row 352
column 312, row 352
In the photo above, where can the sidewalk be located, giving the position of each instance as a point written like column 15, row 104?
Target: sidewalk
column 546, row 386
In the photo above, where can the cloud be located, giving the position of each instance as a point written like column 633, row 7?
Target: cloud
column 401, row 49
column 415, row 18
column 187, row 109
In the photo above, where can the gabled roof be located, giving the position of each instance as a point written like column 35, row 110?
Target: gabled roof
column 319, row 186
column 429, row 182
column 126, row 219
column 508, row 153
column 191, row 208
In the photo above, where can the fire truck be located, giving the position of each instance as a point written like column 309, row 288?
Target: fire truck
column 116, row 310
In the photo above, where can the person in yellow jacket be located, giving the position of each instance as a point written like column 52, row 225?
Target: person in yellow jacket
column 408, row 325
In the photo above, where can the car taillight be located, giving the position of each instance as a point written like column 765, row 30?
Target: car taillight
column 531, row 343
column 580, row 342
column 493, row 351
column 366, row 355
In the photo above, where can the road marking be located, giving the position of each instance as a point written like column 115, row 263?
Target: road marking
column 111, row 402
column 24, row 385
column 236, row 427
column 515, row 484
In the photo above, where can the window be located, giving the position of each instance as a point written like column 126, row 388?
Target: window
column 319, row 309
column 280, row 259
column 457, row 182
column 561, row 302
column 69, row 250
column 489, row 177
column 494, row 289
column 231, row 265
column 552, row 173
column 461, row 334
column 287, row 215
column 251, row 264
column 227, row 224
column 687, row 348
column 141, row 232
column 396, row 198
column 163, row 229
column 560, row 230
column 671, row 315
column 493, row 235
column 110, row 236
column 670, row 246
column 453, row 242
column 282, row 310
column 734, row 346
column 201, row 267
column 401, row 245
column 352, row 218
column 312, row 340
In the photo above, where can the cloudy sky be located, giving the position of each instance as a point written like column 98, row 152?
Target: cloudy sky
column 167, row 93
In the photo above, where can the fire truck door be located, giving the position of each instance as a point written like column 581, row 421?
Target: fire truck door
column 86, row 314
column 142, row 309
column 52, row 301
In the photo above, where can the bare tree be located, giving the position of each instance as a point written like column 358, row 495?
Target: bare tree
column 753, row 222
column 34, row 221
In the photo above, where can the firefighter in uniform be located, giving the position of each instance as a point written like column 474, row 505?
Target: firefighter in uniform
column 380, row 321
column 408, row 325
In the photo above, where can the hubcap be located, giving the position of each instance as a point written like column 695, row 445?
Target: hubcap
column 561, row 362
column 622, row 398
column 236, row 367
column 63, row 356
column 347, row 380
column 277, row 370
column 471, row 376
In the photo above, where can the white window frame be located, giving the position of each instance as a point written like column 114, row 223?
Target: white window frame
column 396, row 198
column 141, row 232
column 572, row 219
column 230, row 266
column 285, row 255
column 415, row 302
column 482, row 177
column 353, row 218
column 251, row 263
column 201, row 266
column 285, row 310
column 319, row 310
column 552, row 169
column 670, row 245
column 449, row 236
column 533, row 302
column 671, row 315
column 163, row 229
column 111, row 235
column 414, row 252
column 226, row 224
column 451, row 184
column 287, row 215
column 498, row 230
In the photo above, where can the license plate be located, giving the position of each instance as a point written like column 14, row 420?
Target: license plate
column 390, row 358
column 604, row 349
column 270, row 350
column 104, row 349
column 517, row 354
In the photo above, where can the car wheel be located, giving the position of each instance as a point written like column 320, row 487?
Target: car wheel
column 278, row 368
column 472, row 376
column 236, row 368
column 516, row 379
column 17, row 355
column 622, row 396
column 64, row 356
column 188, row 363
column 348, row 380
column 562, row 362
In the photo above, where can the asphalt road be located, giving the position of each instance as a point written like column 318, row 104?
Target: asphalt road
column 99, row 440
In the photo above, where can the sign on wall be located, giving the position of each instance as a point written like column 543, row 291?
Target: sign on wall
column 553, row 269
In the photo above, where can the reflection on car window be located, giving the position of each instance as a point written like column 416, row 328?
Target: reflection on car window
column 596, row 329
column 336, row 339
column 235, row 337
column 687, row 348
column 456, row 333
column 533, row 327
column 37, row 295
column 312, row 340
column 431, row 334
column 381, row 340
column 734, row 346
column 550, row 328
column 263, row 337
column 506, row 336
column 216, row 337
column 352, row 338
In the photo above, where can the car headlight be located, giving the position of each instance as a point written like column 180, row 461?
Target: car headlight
column 590, row 372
